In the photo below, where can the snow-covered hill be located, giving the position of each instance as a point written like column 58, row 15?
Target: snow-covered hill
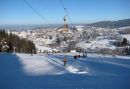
column 23, row 71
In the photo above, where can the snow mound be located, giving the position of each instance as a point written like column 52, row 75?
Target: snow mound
column 77, row 67
column 74, row 70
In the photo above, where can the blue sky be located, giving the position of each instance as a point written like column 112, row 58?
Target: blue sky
column 80, row 11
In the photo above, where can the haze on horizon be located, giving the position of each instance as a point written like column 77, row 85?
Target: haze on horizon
column 80, row 11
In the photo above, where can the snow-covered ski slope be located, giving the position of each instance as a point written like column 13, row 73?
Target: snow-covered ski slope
column 23, row 71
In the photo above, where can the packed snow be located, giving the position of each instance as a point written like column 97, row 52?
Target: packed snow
column 23, row 71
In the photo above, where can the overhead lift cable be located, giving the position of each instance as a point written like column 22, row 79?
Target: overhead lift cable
column 38, row 13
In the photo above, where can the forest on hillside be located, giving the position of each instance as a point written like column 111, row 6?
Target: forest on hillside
column 12, row 43
column 111, row 24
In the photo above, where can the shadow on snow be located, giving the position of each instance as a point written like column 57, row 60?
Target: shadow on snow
column 12, row 76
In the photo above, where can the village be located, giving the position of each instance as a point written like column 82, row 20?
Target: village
column 77, row 39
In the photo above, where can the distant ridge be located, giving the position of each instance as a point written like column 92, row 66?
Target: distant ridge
column 111, row 24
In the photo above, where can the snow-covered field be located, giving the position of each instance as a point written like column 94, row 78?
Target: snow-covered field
column 23, row 71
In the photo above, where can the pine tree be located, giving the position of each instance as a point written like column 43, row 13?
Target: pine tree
column 124, row 42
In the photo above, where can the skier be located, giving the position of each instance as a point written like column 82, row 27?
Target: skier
column 78, row 56
column 84, row 56
column 65, row 61
column 75, row 56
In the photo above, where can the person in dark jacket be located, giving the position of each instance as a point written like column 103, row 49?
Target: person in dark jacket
column 65, row 61
column 78, row 56
column 75, row 56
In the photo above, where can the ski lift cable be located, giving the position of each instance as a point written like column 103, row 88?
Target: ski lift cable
column 36, row 11
column 62, row 4
column 91, row 46
column 66, row 11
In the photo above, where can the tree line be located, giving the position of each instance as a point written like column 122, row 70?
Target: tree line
column 125, row 44
column 12, row 43
column 111, row 24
